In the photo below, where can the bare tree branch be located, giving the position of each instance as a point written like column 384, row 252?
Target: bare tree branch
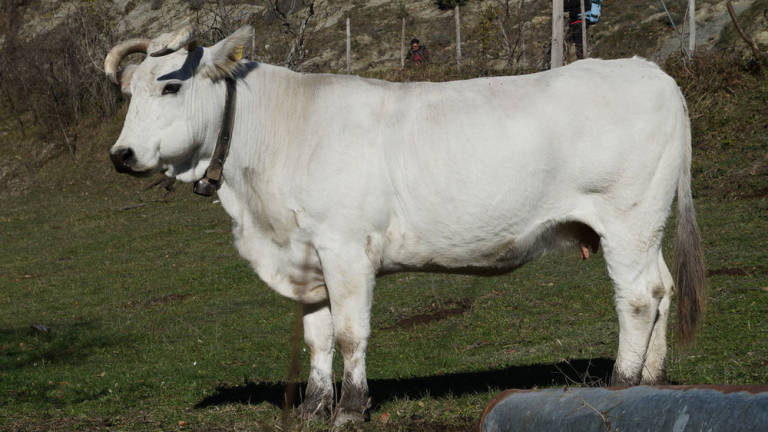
column 297, row 52
column 747, row 39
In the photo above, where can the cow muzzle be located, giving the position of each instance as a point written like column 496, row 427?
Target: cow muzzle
column 121, row 159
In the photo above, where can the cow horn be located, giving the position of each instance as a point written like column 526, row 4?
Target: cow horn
column 118, row 52
column 185, row 36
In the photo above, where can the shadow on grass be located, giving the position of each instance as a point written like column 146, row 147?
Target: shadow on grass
column 28, row 349
column 24, row 347
column 582, row 372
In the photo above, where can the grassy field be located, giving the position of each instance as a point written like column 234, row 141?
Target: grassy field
column 126, row 309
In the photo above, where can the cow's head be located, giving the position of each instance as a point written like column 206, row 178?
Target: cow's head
column 177, row 101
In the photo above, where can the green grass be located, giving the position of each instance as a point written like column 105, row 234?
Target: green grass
column 155, row 320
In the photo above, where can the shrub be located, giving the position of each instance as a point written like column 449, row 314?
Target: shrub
column 52, row 79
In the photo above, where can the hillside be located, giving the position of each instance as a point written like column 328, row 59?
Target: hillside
column 70, row 113
column 630, row 27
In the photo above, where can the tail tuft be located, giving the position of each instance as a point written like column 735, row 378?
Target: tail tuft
column 689, row 260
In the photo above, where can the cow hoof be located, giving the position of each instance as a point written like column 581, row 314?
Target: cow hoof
column 316, row 409
column 659, row 379
column 619, row 379
column 344, row 416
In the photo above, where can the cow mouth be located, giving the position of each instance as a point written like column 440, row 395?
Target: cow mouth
column 122, row 159
column 137, row 174
column 124, row 169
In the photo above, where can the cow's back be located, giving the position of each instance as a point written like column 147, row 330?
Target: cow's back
column 484, row 166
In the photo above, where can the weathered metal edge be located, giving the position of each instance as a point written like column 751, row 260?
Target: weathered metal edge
column 722, row 388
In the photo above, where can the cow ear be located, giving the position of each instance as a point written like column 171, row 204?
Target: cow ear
column 124, row 76
column 225, row 56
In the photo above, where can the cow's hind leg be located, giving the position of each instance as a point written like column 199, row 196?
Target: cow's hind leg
column 349, row 277
column 634, row 269
column 654, row 369
column 318, row 335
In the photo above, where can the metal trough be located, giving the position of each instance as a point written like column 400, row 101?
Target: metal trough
column 642, row 408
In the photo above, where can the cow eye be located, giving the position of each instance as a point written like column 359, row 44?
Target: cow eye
column 171, row 88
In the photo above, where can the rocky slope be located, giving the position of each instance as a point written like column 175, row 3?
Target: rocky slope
column 627, row 27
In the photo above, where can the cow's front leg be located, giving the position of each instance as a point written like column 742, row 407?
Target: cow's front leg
column 318, row 335
column 349, row 277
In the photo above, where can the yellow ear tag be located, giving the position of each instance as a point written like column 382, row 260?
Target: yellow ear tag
column 238, row 52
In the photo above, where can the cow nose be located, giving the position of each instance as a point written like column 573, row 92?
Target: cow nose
column 120, row 159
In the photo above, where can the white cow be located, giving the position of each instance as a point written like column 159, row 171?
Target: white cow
column 332, row 180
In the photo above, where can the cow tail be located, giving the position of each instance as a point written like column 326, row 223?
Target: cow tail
column 689, row 262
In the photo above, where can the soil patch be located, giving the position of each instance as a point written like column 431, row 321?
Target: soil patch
column 738, row 271
column 453, row 308
column 164, row 300
column 158, row 301
column 761, row 193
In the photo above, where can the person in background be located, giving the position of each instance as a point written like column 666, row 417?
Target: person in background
column 418, row 53
column 592, row 12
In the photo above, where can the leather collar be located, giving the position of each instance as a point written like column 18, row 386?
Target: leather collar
column 211, row 181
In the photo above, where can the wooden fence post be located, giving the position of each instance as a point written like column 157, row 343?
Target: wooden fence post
column 402, row 45
column 556, row 59
column 507, row 43
column 458, row 37
column 523, row 59
column 692, row 26
column 584, row 51
column 349, row 47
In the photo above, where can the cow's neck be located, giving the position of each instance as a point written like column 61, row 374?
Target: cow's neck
column 270, row 125
column 267, row 151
